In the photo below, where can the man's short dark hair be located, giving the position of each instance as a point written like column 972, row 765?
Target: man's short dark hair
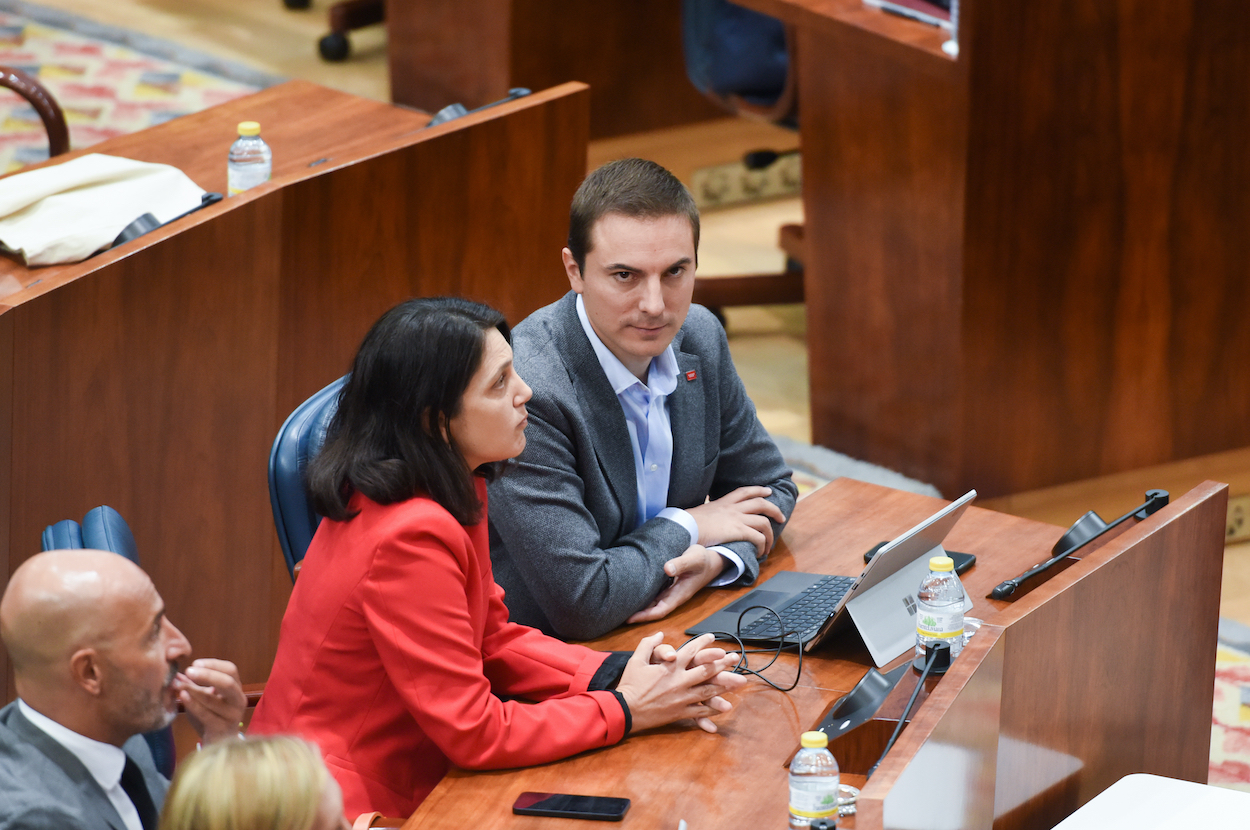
column 388, row 438
column 636, row 188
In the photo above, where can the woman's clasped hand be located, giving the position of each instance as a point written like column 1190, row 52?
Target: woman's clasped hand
column 662, row 684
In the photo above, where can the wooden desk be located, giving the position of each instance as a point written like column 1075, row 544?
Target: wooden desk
column 154, row 377
column 1023, row 263
column 472, row 51
column 1063, row 673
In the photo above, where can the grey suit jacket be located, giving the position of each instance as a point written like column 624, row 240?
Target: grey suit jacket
column 43, row 786
column 562, row 546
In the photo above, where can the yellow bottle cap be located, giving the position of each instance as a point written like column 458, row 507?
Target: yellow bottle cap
column 249, row 128
column 811, row 740
column 941, row 563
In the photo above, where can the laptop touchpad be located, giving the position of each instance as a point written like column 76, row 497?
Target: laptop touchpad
column 773, row 599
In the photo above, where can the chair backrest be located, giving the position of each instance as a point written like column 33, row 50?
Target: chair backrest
column 104, row 529
column 741, row 59
column 299, row 439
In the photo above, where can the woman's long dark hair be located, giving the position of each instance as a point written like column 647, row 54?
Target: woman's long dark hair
column 388, row 439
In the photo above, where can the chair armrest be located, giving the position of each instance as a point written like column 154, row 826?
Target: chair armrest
column 253, row 692
column 43, row 102
column 365, row 821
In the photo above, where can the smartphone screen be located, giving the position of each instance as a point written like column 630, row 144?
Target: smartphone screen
column 564, row 805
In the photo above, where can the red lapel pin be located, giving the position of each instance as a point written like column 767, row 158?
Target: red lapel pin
column 691, row 375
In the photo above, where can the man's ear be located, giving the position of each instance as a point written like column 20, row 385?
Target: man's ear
column 86, row 669
column 570, row 268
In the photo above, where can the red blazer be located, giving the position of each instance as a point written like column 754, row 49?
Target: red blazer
column 396, row 648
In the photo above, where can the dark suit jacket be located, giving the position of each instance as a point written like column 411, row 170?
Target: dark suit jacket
column 560, row 519
column 43, row 786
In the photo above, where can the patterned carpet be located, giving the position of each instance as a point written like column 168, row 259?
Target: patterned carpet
column 1230, row 718
column 108, row 81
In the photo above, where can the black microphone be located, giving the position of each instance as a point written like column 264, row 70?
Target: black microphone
column 1083, row 530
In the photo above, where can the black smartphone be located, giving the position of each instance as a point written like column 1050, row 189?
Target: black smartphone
column 963, row 561
column 563, row 805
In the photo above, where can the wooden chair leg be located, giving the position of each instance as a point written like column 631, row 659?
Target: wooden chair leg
column 759, row 289
column 749, row 289
column 356, row 14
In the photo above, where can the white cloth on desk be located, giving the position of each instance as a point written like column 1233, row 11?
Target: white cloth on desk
column 66, row 212
column 1153, row 802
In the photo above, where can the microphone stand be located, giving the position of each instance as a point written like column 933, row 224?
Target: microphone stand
column 1086, row 529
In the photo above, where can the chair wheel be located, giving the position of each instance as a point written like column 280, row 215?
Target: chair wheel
column 334, row 47
column 297, row 4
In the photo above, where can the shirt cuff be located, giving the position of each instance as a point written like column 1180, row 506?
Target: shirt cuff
column 733, row 567
column 676, row 514
column 609, row 671
column 629, row 719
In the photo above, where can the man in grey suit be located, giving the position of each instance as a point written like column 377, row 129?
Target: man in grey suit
column 646, row 474
column 96, row 663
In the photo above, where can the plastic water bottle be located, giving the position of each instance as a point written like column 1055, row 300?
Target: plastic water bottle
column 814, row 782
column 940, row 608
column 250, row 161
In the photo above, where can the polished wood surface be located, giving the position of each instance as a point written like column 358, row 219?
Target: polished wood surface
column 1063, row 703
column 1021, row 259
column 154, row 377
column 473, row 51
column 1105, row 670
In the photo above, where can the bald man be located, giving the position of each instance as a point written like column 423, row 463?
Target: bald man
column 97, row 663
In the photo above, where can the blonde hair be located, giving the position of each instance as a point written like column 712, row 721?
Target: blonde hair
column 270, row 783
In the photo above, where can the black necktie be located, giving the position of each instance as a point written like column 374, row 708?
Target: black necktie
column 132, row 783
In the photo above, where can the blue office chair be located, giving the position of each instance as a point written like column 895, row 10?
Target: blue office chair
column 744, row 61
column 104, row 529
column 299, row 439
column 741, row 59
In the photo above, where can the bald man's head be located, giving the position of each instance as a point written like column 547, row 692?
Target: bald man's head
column 89, row 643
column 57, row 602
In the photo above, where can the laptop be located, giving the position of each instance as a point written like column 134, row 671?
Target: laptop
column 880, row 602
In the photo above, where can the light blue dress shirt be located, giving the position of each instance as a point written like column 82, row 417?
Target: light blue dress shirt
column 651, row 435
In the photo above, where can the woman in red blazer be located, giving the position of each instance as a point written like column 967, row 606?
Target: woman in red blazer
column 396, row 655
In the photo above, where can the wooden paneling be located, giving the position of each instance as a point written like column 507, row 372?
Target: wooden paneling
column 1043, row 679
column 1104, row 167
column 953, row 740
column 629, row 51
column 1124, row 648
column 493, row 196
column 294, row 122
column 1106, row 670
column 472, row 52
column 883, row 223
column 154, row 377
column 1023, row 260
column 447, row 51
column 144, row 387
column 6, row 461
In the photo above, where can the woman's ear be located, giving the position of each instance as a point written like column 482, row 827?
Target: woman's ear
column 435, row 424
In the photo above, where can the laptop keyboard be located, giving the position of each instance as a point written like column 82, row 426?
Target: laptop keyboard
column 805, row 614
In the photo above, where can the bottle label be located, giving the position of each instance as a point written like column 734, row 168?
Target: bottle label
column 240, row 177
column 939, row 623
column 818, row 804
